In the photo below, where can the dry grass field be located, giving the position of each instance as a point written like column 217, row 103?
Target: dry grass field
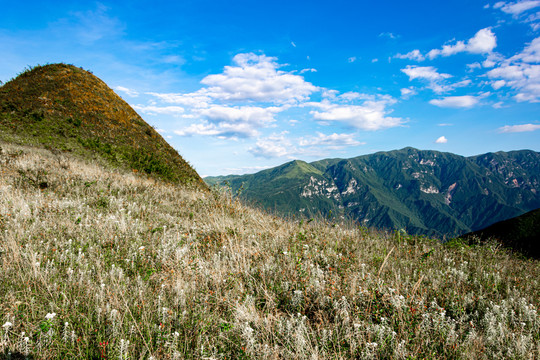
column 97, row 264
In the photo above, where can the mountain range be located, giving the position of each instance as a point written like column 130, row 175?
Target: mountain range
column 421, row 191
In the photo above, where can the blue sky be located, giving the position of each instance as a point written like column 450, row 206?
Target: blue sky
column 238, row 86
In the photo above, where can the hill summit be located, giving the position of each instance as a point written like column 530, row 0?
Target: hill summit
column 66, row 108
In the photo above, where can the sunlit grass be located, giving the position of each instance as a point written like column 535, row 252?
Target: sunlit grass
column 101, row 264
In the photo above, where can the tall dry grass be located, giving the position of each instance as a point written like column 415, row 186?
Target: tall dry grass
column 96, row 264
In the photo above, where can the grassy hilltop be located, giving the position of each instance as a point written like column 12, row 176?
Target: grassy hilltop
column 65, row 108
column 100, row 262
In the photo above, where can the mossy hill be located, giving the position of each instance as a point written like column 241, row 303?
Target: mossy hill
column 521, row 233
column 65, row 108
column 424, row 192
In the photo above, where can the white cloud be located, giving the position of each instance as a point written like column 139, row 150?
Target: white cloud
column 498, row 84
column 293, row 44
column 220, row 130
column 488, row 63
column 371, row 115
column 517, row 7
column 127, row 91
column 441, row 140
column 388, row 35
column 436, row 80
column 440, row 88
column 333, row 141
column 232, row 122
column 483, row 42
column 307, row 70
column 521, row 72
column 276, row 145
column 412, row 55
column 474, row 66
column 465, row 101
column 254, row 115
column 259, row 91
column 163, row 110
column 408, row 92
column 352, row 59
column 196, row 99
column 519, row 128
column 531, row 53
column 257, row 78
column 424, row 72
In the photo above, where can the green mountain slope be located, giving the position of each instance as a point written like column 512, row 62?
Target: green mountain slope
column 424, row 192
column 66, row 108
column 521, row 233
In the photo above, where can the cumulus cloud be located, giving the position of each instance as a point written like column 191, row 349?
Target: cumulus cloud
column 520, row 72
column 196, row 99
column 275, row 145
column 519, row 128
column 498, row 84
column 257, row 78
column 412, row 55
column 127, row 91
column 231, row 122
column 333, row 141
column 220, row 130
column 441, row 140
column 154, row 110
column 517, row 7
column 257, row 116
column 424, row 72
column 247, row 95
column 371, row 115
column 408, row 92
column 473, row 66
column 483, row 42
column 466, row 101
column 436, row 81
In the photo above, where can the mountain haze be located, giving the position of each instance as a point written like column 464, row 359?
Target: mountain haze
column 425, row 192
column 66, row 108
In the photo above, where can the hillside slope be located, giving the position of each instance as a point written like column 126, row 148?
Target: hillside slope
column 104, row 264
column 521, row 233
column 425, row 192
column 66, row 108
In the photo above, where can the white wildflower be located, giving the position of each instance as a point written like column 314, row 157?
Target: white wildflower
column 50, row 316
